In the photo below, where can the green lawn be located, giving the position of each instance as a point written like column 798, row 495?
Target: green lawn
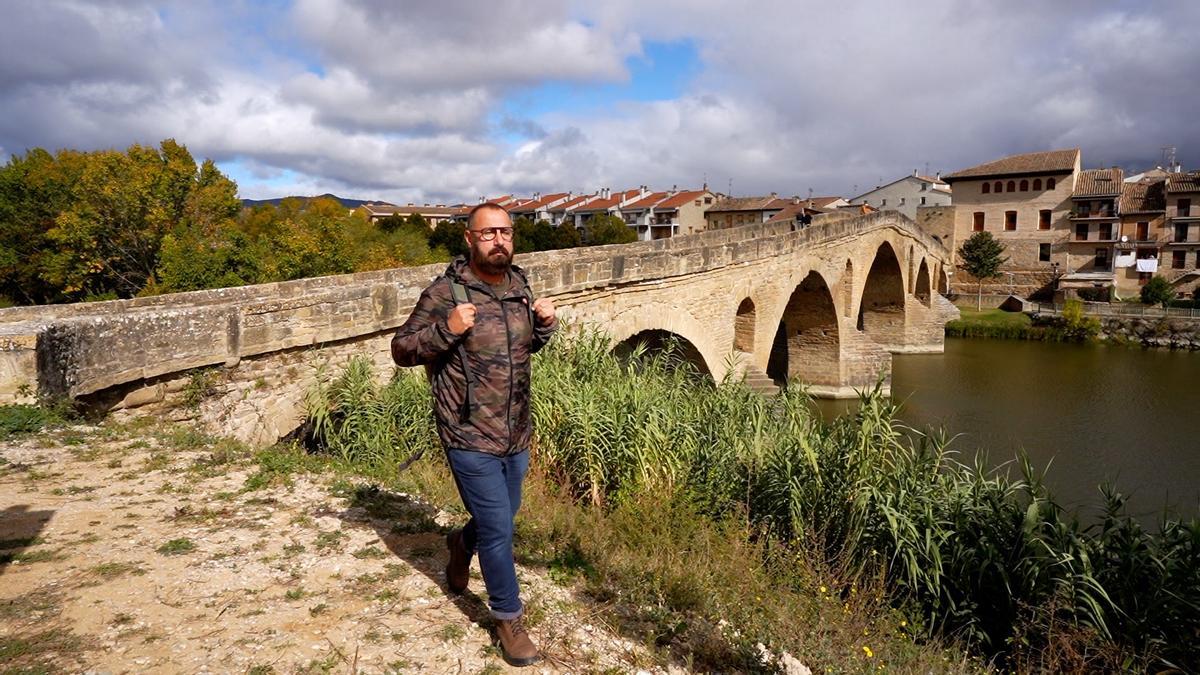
column 993, row 317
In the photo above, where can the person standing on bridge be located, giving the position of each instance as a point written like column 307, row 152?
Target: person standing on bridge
column 475, row 329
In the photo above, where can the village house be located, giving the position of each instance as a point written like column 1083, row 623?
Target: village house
column 907, row 194
column 735, row 211
column 1142, row 214
column 1182, row 257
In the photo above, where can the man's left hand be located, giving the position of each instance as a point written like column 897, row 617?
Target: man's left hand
column 544, row 309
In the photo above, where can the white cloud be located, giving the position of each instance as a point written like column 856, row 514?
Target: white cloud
column 404, row 101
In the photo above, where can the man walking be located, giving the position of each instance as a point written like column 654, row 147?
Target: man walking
column 475, row 329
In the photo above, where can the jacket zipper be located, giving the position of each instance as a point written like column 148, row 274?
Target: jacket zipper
column 508, row 411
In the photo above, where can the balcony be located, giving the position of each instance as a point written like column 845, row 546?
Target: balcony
column 1187, row 212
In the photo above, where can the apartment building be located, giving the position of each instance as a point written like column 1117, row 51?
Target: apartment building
column 433, row 214
column 1142, row 215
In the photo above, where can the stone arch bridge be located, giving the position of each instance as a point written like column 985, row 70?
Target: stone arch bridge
column 826, row 305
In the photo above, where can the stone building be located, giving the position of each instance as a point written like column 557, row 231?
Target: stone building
column 907, row 194
column 1181, row 259
column 1142, row 215
column 737, row 211
column 1025, row 202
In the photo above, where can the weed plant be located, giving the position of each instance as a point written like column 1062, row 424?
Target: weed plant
column 967, row 553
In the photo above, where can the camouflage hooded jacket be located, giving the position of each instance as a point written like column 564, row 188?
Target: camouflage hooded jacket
column 498, row 348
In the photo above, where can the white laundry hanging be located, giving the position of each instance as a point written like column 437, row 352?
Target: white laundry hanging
column 1125, row 260
column 1147, row 265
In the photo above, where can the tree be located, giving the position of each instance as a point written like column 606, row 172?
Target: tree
column 449, row 235
column 1157, row 291
column 981, row 258
column 609, row 229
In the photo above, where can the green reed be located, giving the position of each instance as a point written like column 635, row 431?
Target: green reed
column 976, row 554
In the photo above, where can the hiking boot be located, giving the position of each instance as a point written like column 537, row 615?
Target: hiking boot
column 458, row 568
column 515, row 645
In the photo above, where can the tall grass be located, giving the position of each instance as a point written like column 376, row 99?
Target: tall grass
column 974, row 554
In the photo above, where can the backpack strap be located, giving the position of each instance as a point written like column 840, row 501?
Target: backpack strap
column 462, row 296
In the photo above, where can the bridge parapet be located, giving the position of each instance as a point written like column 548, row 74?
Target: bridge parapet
column 83, row 348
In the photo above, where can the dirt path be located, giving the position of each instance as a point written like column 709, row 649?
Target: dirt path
column 150, row 551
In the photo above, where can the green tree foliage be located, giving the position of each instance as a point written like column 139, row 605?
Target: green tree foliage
column 449, row 236
column 981, row 257
column 116, row 224
column 608, row 229
column 1157, row 291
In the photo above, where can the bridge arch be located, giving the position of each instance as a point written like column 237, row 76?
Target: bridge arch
column 943, row 281
column 657, row 323
column 744, row 326
column 881, row 310
column 656, row 341
column 922, row 288
column 807, row 344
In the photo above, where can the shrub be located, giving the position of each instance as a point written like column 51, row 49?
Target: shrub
column 1157, row 291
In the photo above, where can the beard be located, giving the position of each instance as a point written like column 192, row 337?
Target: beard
column 495, row 260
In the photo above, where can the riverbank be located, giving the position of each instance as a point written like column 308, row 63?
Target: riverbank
column 1153, row 332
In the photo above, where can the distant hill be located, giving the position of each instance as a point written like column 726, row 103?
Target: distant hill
column 348, row 203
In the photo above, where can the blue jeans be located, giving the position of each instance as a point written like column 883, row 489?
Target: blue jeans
column 490, row 487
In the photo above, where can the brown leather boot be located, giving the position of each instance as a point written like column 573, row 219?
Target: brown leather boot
column 458, row 568
column 515, row 645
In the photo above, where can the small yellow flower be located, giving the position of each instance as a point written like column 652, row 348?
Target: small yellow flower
column 823, row 589
column 867, row 650
column 903, row 624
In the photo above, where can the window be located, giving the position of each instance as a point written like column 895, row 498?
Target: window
column 1044, row 219
column 1178, row 259
column 1143, row 232
column 1181, row 231
column 1044, row 252
column 978, row 221
column 1037, row 183
column 1049, row 183
column 1106, row 231
column 1102, row 258
column 1010, row 220
column 987, row 187
column 1080, row 231
column 1024, row 185
column 708, row 200
column 696, row 203
column 1144, row 278
column 902, row 201
column 1185, row 208
column 998, row 187
column 1012, row 186
column 883, row 203
column 922, row 201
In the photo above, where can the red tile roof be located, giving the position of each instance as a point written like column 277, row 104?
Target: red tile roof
column 1184, row 182
column 743, row 204
column 1053, row 161
column 1099, row 183
column 649, row 200
column 681, row 198
column 609, row 202
column 531, row 205
column 1142, row 197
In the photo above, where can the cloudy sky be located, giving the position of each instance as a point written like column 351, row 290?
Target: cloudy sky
column 447, row 100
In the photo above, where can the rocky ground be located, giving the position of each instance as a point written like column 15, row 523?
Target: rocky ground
column 155, row 550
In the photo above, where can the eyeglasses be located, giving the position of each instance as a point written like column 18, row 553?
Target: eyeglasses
column 490, row 233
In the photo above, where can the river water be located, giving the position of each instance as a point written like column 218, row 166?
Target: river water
column 1083, row 413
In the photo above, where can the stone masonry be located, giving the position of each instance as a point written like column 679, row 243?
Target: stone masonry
column 241, row 359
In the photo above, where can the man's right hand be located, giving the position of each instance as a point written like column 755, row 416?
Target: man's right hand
column 461, row 319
